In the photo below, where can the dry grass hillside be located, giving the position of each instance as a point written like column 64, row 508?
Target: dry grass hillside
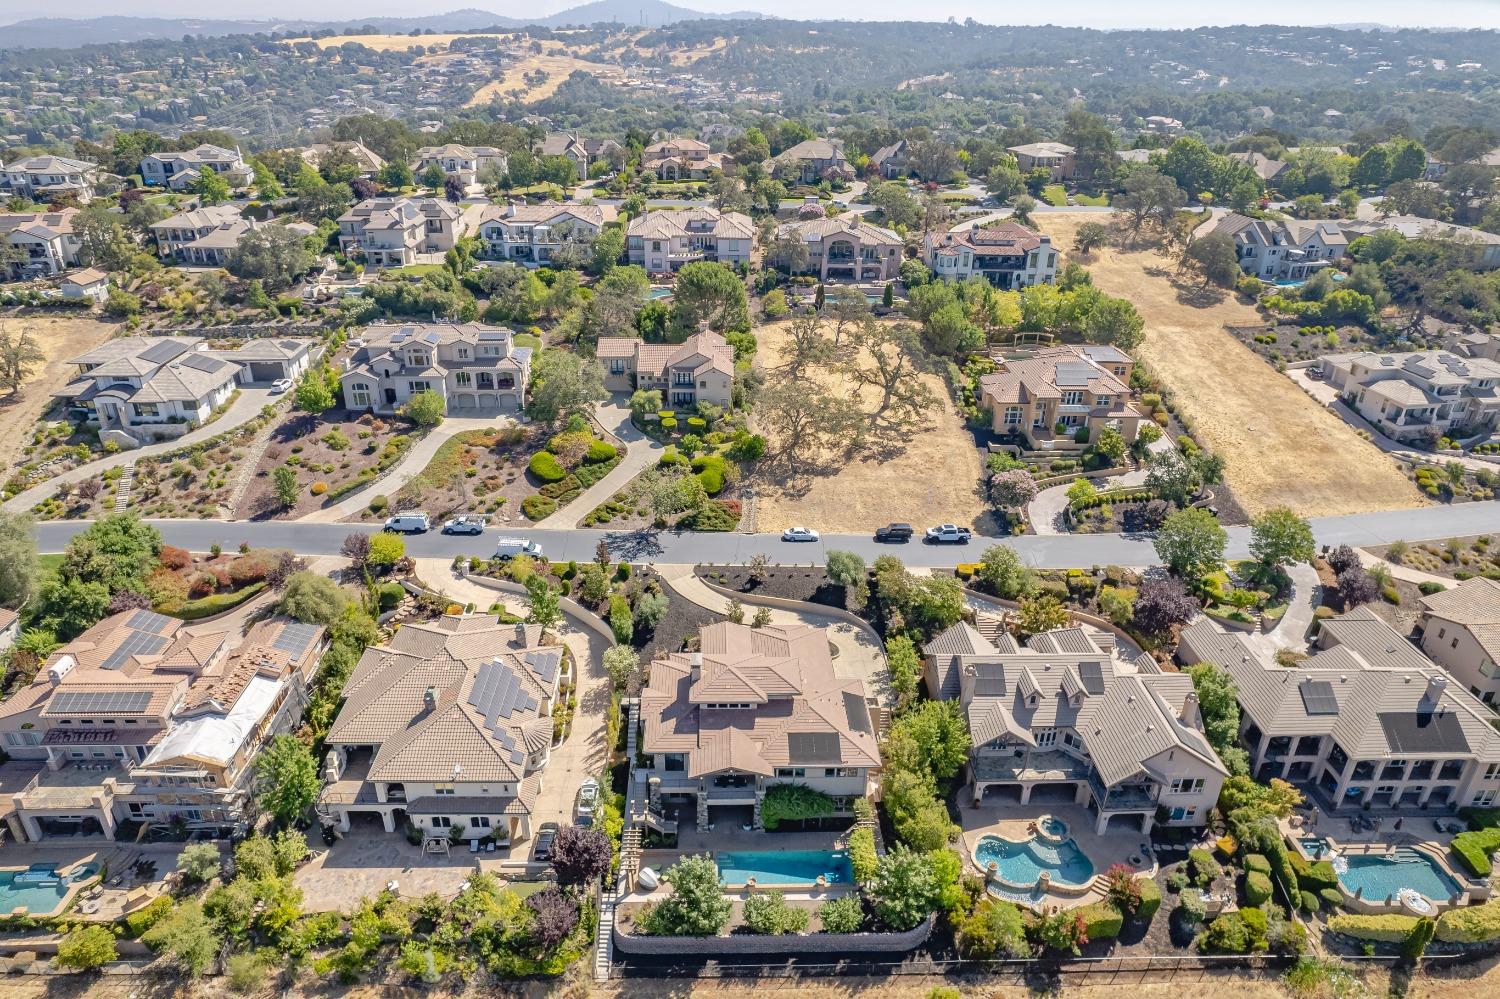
column 1279, row 445
column 60, row 338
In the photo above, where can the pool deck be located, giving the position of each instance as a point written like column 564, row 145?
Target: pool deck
column 1426, row 835
column 1013, row 822
column 123, row 890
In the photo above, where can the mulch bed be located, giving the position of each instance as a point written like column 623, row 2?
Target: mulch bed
column 1287, row 342
column 810, row 585
column 1436, row 558
column 681, row 624
column 298, row 443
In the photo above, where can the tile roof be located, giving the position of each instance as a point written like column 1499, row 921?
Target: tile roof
column 1040, row 375
column 853, row 226
column 549, row 213
column 703, row 221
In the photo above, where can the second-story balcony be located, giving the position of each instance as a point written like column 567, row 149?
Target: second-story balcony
column 1127, row 797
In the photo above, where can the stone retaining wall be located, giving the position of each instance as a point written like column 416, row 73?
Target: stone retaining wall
column 1104, row 624
column 796, row 606
column 790, row 944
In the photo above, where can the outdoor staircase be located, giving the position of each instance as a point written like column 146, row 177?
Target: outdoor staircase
column 654, row 820
column 122, row 488
column 604, row 933
column 990, row 626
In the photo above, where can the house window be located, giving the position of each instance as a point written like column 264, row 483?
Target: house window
column 1073, row 398
column 418, row 387
column 442, row 789
column 441, row 822
column 463, row 379
column 1046, row 737
column 791, row 772
column 463, row 353
column 1182, row 814
column 617, row 366
column 1012, row 415
column 1187, row 785
column 479, row 821
column 1483, row 799
column 1492, row 771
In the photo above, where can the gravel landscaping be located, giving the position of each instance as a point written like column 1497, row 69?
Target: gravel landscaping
column 331, row 454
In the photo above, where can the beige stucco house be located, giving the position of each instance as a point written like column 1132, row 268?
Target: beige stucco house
column 700, row 369
column 477, row 369
column 813, row 160
column 684, row 159
column 1418, row 396
column 1044, row 400
column 530, row 234
column 663, row 241
column 1056, row 158
column 1461, row 633
column 847, row 248
column 392, row 232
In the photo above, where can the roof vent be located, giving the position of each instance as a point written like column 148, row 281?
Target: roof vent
column 429, row 698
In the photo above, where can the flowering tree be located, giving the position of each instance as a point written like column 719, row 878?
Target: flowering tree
column 1012, row 490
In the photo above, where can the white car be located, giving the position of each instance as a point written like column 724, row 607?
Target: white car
column 587, row 802
column 799, row 534
column 465, row 524
column 281, row 385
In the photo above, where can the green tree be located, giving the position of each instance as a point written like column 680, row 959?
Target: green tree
column 211, row 188
column 767, row 912
column 386, row 549
column 1215, row 258
column 272, row 254
column 1280, row 537
column 1191, row 164
column 1220, row 707
column 609, row 247
column 187, row 937
column 86, row 947
column 542, row 601
column 1002, row 570
column 932, row 739
column 432, row 177
column 905, row 667
column 69, row 607
column 286, row 778
column 287, row 490
column 425, row 409
column 117, row 551
column 562, row 383
column 697, row 906
column 708, row 293
column 199, row 862
column 397, row 175
column 1191, row 543
column 1115, row 321
column 621, row 663
column 904, row 891
column 313, row 599
column 313, row 395
column 19, row 356
column 1090, row 236
column 20, row 572
column 1040, row 614
column 1093, row 142
column 845, row 569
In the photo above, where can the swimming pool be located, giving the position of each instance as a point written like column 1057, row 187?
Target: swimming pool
column 39, row 889
column 658, row 292
column 784, row 867
column 1381, row 875
column 1022, row 864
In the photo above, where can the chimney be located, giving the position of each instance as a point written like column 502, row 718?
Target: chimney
column 695, row 663
column 521, row 633
column 1435, row 686
column 429, row 698
column 1189, row 714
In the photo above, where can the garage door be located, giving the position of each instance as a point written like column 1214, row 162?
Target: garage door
column 266, row 371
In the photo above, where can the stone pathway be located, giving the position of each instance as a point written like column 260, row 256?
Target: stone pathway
column 408, row 468
column 246, row 408
column 1291, row 631
column 1406, row 573
column 642, row 453
column 122, row 488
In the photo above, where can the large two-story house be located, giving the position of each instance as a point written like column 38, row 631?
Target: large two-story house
column 700, row 369
column 464, row 162
column 1419, row 396
column 448, row 727
column 179, row 171
column 1064, row 718
column 477, row 369
column 684, row 159
column 391, row 232
column 1461, row 633
column 1367, row 721
column 663, row 241
column 531, row 233
column 813, row 160
column 1006, row 255
column 46, row 241
column 177, row 231
column 1283, row 249
column 753, row 708
column 847, row 248
column 582, row 152
column 148, row 387
column 366, row 159
column 143, row 719
column 1047, row 398
column 1057, row 158
column 41, row 178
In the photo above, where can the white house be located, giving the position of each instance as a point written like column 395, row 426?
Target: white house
column 1283, row 249
column 478, row 370
column 1005, row 254
column 664, row 241
column 180, row 170
column 87, row 283
column 43, row 177
column 391, row 232
column 46, row 238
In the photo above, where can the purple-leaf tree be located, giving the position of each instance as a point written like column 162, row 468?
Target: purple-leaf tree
column 580, row 855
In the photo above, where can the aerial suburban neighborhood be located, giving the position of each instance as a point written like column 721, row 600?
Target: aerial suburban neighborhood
column 635, row 500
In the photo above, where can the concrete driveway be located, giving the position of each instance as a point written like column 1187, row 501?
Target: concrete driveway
column 641, row 453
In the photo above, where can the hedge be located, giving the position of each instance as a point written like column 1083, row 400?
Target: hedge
column 215, row 603
column 1480, row 818
column 1332, row 898
column 1101, row 920
column 862, row 857
column 1257, row 887
column 1150, row 899
column 545, row 466
column 1473, row 849
column 1475, row 924
column 1257, row 862
column 1115, row 496
column 1384, row 927
column 538, row 507
column 600, row 451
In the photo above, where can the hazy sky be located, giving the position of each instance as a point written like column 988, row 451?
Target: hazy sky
column 1094, row 13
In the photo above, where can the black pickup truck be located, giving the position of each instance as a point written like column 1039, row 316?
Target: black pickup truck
column 894, row 533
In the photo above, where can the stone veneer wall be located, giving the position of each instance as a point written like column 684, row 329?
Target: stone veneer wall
column 809, row 943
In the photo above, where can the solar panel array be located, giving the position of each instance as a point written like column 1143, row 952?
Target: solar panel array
column 1424, row 732
column 160, row 353
column 137, row 643
column 99, row 702
column 857, row 713
column 1092, row 675
column 295, row 638
column 199, row 362
column 1072, row 373
column 144, row 620
column 1317, row 697
column 813, row 747
column 499, row 694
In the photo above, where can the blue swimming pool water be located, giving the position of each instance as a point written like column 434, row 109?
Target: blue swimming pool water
column 784, row 867
column 659, row 292
column 1023, row 863
column 38, row 889
column 1382, row 874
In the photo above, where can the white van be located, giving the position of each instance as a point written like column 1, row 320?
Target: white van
column 511, row 547
column 408, row 523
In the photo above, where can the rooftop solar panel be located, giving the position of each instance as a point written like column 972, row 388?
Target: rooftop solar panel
column 137, row 643
column 1424, row 732
column 199, row 362
column 160, row 353
column 144, row 620
column 857, row 712
column 1317, row 697
column 295, row 638
column 990, row 686
column 498, row 694
column 100, row 702
column 813, row 747
column 1092, row 675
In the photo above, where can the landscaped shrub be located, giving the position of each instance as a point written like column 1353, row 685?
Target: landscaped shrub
column 669, row 424
column 717, row 515
column 1101, row 920
column 768, row 912
column 390, row 595
column 1203, row 865
column 1480, row 818
column 600, row 451
column 545, row 467
column 862, row 857
column 793, row 803
column 147, row 916
column 1257, row 862
column 319, row 488
column 1307, row 901
column 538, row 507
column 1473, row 849
column 1150, row 899
column 711, row 471
column 842, row 915
column 1429, row 588
column 1257, row 887
column 1240, row 932
column 1383, row 928
column 1475, row 924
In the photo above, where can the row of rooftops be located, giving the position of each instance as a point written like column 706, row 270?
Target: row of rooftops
column 1004, row 239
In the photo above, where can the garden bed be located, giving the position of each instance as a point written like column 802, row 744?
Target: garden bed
column 475, row 472
column 1456, row 559
column 331, row 454
column 1289, row 343
column 809, row 585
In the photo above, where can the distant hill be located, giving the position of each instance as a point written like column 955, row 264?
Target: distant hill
column 65, row 33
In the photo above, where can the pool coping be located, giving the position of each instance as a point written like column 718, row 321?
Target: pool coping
column 74, row 889
column 1468, row 888
column 808, row 886
column 1068, row 888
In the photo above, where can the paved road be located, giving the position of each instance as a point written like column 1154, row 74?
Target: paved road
column 1062, row 551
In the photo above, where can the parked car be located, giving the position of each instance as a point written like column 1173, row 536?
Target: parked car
column 408, row 523
column 508, row 548
column 281, row 385
column 894, row 533
column 799, row 534
column 586, row 802
column 541, row 849
column 948, row 534
column 465, row 524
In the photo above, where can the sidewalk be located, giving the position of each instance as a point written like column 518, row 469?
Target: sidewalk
column 1291, row 631
column 405, row 470
column 244, row 409
column 1402, row 572
column 642, row 453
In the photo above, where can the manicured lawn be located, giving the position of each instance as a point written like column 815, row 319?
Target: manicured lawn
column 414, row 270
column 1054, row 195
column 1097, row 200
column 528, row 340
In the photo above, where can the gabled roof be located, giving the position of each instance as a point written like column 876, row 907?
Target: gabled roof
column 704, row 221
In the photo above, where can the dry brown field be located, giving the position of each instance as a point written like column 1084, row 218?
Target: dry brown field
column 60, row 338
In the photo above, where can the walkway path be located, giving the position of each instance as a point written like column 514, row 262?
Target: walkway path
column 1046, row 511
column 642, row 453
column 242, row 411
column 1329, row 396
column 861, row 655
column 1369, row 560
column 583, row 754
column 408, row 468
column 1291, row 631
